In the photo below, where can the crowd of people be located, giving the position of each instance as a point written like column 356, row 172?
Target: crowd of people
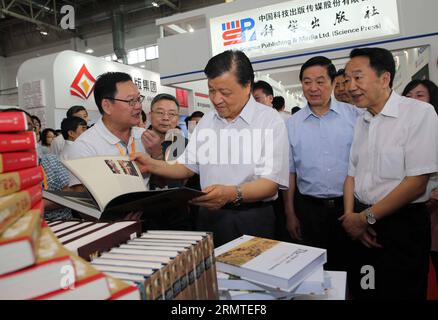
column 354, row 171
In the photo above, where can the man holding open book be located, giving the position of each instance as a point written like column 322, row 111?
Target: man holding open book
column 240, row 178
column 115, row 134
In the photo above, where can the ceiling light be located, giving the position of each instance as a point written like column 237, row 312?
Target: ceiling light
column 155, row 4
column 176, row 28
column 190, row 28
column 143, row 66
column 89, row 51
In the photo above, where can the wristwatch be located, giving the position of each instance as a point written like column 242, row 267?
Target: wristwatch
column 371, row 219
column 239, row 199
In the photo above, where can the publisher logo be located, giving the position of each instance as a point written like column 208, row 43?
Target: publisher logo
column 83, row 84
column 239, row 31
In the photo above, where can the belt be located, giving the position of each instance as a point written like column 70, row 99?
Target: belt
column 247, row 206
column 326, row 202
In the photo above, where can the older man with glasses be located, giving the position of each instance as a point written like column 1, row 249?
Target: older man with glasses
column 115, row 133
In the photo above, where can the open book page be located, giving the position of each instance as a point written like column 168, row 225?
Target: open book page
column 107, row 177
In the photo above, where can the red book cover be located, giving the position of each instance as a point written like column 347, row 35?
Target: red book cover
column 17, row 141
column 14, row 161
column 13, row 121
column 19, row 180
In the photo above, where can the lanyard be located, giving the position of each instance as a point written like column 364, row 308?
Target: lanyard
column 45, row 184
column 122, row 150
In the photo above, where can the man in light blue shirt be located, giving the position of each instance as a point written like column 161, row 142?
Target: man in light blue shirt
column 320, row 137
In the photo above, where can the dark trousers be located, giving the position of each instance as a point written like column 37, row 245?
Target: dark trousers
column 321, row 228
column 167, row 218
column 401, row 266
column 281, row 232
column 229, row 224
column 434, row 258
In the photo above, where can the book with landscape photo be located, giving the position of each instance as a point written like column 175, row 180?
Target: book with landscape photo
column 272, row 263
column 115, row 187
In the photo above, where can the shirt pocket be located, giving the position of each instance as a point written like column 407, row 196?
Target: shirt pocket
column 392, row 163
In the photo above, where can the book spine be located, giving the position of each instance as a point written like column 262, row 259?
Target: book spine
column 14, row 206
column 13, row 121
column 14, row 161
column 95, row 248
column 19, row 180
column 17, row 141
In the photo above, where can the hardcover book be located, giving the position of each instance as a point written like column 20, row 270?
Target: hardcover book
column 13, row 121
column 17, row 141
column 275, row 264
column 45, row 276
column 18, row 242
column 15, row 205
column 18, row 180
column 115, row 187
column 13, row 161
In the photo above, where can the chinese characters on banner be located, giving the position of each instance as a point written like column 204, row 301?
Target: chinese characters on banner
column 303, row 24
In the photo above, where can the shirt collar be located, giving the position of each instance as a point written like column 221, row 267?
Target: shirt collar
column 106, row 134
column 247, row 113
column 334, row 106
column 391, row 108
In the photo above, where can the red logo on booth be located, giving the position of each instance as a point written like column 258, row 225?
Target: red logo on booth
column 83, row 85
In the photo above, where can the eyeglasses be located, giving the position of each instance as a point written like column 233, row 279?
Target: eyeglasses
column 161, row 114
column 131, row 102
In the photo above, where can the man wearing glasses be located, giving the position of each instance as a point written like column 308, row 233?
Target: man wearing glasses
column 116, row 132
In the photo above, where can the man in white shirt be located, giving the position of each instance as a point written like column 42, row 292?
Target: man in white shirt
column 278, row 103
column 242, row 176
column 115, row 134
column 394, row 151
column 71, row 128
column 263, row 93
column 58, row 143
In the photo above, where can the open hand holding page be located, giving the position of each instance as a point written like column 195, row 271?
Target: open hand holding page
column 117, row 187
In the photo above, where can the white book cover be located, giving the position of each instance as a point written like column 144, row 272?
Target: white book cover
column 275, row 264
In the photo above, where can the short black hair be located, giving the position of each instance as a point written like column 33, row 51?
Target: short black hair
column 143, row 116
column 106, row 86
column 264, row 86
column 44, row 134
column 164, row 96
column 196, row 114
column 227, row 61
column 75, row 109
column 295, row 109
column 278, row 103
column 37, row 119
column 71, row 123
column 381, row 60
column 319, row 61
column 431, row 87
column 341, row 72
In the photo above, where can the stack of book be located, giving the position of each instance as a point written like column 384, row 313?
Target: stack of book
column 35, row 265
column 20, row 175
column 257, row 268
column 165, row 265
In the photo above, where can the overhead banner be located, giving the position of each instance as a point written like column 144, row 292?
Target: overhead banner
column 303, row 24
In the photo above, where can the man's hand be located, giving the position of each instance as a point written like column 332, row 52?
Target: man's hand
column 216, row 197
column 152, row 143
column 369, row 239
column 355, row 224
column 293, row 226
column 144, row 162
